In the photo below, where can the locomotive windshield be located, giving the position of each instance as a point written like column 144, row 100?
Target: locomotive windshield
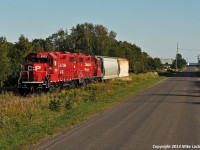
column 36, row 60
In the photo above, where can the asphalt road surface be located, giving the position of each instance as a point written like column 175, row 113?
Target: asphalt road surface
column 166, row 114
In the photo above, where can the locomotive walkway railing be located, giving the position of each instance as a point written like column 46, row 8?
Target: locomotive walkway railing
column 26, row 77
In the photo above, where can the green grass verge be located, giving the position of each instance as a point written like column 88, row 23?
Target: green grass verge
column 26, row 121
column 197, row 71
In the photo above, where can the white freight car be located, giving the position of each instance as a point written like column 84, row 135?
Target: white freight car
column 114, row 67
column 123, row 67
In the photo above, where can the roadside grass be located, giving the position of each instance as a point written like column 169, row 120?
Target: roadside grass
column 26, row 121
column 197, row 69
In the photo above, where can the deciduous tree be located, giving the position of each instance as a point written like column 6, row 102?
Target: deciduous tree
column 4, row 61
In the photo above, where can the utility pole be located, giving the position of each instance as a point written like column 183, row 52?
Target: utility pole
column 177, row 58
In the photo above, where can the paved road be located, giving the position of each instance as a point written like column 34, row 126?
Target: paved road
column 167, row 113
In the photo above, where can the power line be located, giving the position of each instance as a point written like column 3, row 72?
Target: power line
column 187, row 49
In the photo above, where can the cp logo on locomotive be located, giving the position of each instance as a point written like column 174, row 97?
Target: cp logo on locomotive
column 32, row 68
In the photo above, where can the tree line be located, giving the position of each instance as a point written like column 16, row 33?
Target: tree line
column 84, row 38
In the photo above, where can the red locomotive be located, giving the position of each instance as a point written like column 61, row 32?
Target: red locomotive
column 46, row 70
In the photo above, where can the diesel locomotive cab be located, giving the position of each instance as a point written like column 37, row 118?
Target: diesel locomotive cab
column 34, row 77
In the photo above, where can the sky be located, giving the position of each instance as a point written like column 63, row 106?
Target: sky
column 154, row 25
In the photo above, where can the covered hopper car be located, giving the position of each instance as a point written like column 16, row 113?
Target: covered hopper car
column 48, row 70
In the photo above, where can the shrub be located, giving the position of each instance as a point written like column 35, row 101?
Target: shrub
column 68, row 104
column 55, row 105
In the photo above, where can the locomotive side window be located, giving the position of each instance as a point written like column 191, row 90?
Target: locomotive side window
column 50, row 62
column 71, row 59
column 80, row 59
column 43, row 60
column 64, row 57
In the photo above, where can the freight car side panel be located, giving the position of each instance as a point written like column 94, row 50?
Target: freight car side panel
column 111, row 68
column 123, row 67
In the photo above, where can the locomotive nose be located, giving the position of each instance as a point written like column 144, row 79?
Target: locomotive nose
column 37, row 72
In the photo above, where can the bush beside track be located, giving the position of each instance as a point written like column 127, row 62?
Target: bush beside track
column 26, row 121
